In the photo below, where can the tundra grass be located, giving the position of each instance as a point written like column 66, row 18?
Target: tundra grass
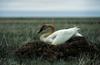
column 14, row 33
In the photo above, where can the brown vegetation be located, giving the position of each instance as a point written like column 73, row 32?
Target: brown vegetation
column 72, row 47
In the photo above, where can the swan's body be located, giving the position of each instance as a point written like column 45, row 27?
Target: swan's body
column 60, row 36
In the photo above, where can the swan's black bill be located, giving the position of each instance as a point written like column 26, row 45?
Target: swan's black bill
column 41, row 29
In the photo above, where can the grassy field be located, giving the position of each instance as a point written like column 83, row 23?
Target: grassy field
column 14, row 32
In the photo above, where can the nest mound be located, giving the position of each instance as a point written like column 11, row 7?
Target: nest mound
column 72, row 47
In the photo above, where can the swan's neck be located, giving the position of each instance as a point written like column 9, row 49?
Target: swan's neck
column 45, row 35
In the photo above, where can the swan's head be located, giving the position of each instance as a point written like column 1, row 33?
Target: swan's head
column 48, row 27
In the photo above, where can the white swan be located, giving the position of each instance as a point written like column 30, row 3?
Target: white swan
column 57, row 37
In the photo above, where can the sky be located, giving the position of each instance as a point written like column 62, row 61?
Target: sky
column 49, row 8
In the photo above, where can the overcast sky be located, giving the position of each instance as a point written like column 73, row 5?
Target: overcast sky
column 31, row 8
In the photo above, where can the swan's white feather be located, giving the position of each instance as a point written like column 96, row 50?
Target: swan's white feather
column 61, row 36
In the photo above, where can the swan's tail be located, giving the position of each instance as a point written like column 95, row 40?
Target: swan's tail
column 76, row 28
column 77, row 33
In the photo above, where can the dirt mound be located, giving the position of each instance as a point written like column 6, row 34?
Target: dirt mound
column 72, row 47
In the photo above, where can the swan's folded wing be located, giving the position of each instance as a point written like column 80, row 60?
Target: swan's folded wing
column 51, row 37
column 63, row 37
